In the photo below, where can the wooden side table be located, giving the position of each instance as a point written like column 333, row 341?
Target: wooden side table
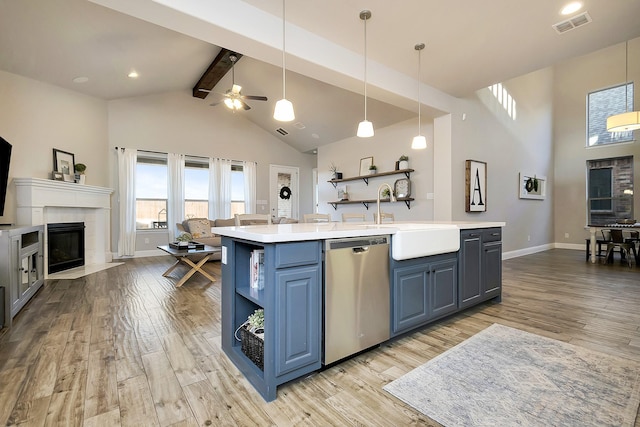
column 182, row 256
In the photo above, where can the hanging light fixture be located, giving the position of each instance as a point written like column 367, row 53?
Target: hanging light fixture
column 629, row 120
column 419, row 142
column 365, row 127
column 284, row 108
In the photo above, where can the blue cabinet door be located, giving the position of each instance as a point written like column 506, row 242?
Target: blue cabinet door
column 444, row 288
column 410, row 295
column 297, row 315
column 492, row 269
column 470, row 269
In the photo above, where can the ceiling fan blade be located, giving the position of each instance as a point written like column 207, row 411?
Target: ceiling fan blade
column 215, row 103
column 254, row 97
column 245, row 106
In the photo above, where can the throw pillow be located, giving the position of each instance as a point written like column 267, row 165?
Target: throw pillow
column 200, row 228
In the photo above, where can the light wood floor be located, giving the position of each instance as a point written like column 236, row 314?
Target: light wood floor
column 125, row 347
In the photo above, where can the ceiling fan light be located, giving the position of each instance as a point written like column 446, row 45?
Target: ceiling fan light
column 229, row 103
column 284, row 111
column 624, row 122
column 419, row 142
column 365, row 129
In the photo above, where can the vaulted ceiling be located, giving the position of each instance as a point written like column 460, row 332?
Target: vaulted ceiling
column 171, row 43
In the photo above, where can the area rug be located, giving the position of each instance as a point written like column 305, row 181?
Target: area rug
column 507, row 377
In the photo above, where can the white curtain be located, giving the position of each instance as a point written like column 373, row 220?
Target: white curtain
column 175, row 201
column 249, row 172
column 219, row 188
column 127, row 159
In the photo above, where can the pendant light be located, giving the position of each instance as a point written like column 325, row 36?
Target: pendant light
column 419, row 142
column 629, row 120
column 284, row 108
column 365, row 127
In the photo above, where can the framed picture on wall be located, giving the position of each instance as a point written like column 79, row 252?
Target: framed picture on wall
column 532, row 186
column 364, row 165
column 475, row 186
column 63, row 162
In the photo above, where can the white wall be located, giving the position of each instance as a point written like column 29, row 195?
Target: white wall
column 386, row 146
column 509, row 146
column 178, row 122
column 36, row 117
column 574, row 79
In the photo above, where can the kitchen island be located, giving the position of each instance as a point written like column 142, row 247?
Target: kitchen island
column 426, row 283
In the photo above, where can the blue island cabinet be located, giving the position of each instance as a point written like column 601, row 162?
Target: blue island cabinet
column 480, row 266
column 292, row 303
column 423, row 289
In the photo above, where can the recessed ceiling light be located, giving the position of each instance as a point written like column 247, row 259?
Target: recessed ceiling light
column 81, row 79
column 133, row 74
column 571, row 8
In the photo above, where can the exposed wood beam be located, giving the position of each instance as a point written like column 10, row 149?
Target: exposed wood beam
column 216, row 71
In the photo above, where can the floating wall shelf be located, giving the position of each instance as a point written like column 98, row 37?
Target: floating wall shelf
column 365, row 178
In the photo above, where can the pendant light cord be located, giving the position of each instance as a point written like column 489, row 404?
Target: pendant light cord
column 365, row 68
column 283, row 51
column 419, row 121
column 626, row 76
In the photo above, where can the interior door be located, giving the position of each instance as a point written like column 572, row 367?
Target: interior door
column 284, row 191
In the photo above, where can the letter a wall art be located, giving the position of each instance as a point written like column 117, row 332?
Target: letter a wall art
column 475, row 186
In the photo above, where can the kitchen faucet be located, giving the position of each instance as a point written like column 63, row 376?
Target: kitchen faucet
column 391, row 199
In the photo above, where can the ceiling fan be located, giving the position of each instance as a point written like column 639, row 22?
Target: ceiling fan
column 233, row 98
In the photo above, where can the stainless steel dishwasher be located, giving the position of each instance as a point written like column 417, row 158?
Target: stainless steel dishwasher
column 356, row 295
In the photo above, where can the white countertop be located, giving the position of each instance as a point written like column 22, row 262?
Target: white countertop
column 277, row 233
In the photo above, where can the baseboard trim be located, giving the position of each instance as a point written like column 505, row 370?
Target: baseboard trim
column 141, row 254
column 527, row 251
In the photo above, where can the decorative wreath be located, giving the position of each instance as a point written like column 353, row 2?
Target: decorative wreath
column 285, row 193
column 531, row 184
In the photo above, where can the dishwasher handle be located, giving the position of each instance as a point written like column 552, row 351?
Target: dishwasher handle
column 360, row 250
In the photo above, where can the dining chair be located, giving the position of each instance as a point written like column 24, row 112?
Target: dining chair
column 352, row 216
column 252, row 219
column 316, row 217
column 383, row 216
column 618, row 241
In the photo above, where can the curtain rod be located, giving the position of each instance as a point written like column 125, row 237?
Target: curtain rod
column 189, row 155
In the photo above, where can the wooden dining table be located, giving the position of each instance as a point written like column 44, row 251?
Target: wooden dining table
column 594, row 229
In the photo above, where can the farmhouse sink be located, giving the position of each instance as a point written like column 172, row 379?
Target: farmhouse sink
column 419, row 240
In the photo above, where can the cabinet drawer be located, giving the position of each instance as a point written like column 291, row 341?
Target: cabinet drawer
column 298, row 253
column 492, row 234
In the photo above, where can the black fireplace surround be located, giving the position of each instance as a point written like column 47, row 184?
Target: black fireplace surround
column 65, row 246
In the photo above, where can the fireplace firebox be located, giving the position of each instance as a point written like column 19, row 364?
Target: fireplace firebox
column 65, row 246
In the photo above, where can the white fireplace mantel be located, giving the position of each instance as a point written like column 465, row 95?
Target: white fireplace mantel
column 44, row 201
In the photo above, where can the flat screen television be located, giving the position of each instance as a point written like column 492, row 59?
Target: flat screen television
column 5, row 159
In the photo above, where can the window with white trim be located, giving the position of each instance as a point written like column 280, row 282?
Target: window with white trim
column 151, row 191
column 609, row 190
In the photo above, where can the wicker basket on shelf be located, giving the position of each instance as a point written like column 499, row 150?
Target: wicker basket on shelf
column 252, row 347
